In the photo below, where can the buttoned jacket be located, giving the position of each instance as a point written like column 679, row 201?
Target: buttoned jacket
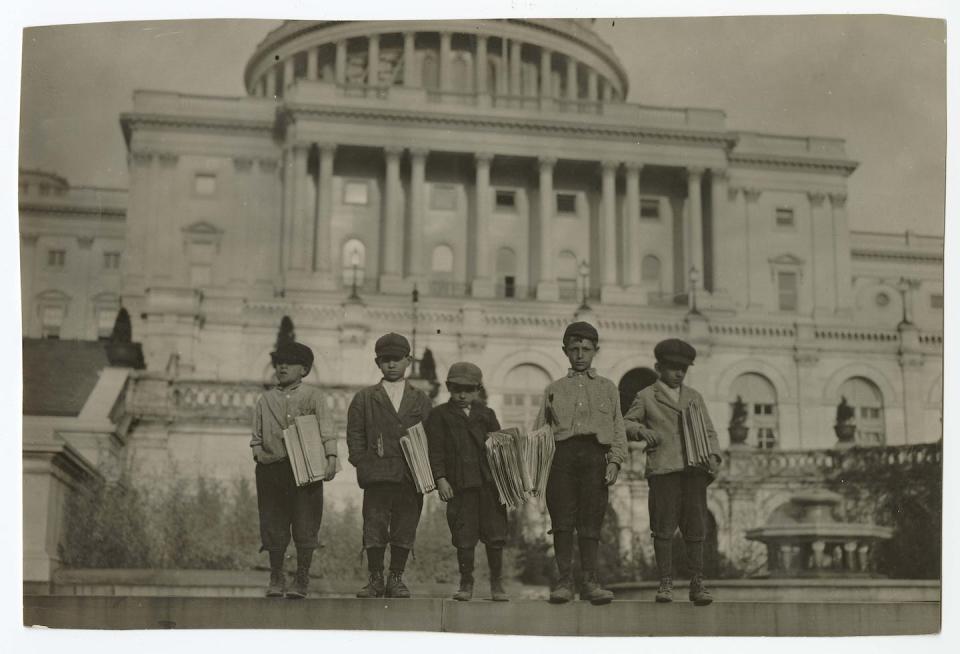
column 458, row 442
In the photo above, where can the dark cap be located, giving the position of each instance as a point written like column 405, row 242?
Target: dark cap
column 392, row 345
column 295, row 353
column 673, row 350
column 581, row 330
column 465, row 373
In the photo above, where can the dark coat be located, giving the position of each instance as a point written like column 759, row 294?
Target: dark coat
column 374, row 429
column 456, row 442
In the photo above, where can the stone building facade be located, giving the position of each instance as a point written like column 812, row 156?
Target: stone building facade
column 497, row 168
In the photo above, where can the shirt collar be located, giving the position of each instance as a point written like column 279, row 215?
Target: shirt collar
column 672, row 391
column 392, row 384
column 590, row 372
column 291, row 387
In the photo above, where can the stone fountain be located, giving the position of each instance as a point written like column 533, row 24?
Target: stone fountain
column 804, row 538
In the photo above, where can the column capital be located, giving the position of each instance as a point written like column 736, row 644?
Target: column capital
column 752, row 194
column 732, row 192
column 419, row 153
column 720, row 174
column 393, row 151
column 838, row 200
column 483, row 157
column 609, row 164
column 546, row 162
column 816, row 198
column 633, row 166
column 695, row 172
column 299, row 148
column 327, row 147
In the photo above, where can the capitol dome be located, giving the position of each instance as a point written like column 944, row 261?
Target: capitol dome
column 524, row 58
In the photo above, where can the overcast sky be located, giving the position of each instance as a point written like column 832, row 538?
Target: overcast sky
column 878, row 82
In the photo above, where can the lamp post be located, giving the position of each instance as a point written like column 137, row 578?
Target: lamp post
column 903, row 286
column 694, row 278
column 584, row 271
column 355, row 264
column 415, row 299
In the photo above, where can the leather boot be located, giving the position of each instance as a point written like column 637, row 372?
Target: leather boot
column 278, row 583
column 563, row 546
column 301, row 584
column 395, row 586
column 592, row 591
column 375, row 586
column 699, row 595
column 495, row 562
column 465, row 560
column 665, row 591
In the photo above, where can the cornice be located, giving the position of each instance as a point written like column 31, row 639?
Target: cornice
column 131, row 121
column 774, row 161
column 915, row 257
column 30, row 207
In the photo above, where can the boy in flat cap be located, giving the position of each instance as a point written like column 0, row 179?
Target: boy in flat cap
column 583, row 410
column 284, row 507
column 678, row 492
column 456, row 433
column 378, row 417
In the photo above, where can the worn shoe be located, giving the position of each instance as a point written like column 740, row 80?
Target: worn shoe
column 665, row 591
column 374, row 587
column 301, row 583
column 593, row 592
column 562, row 592
column 465, row 592
column 396, row 587
column 278, row 584
column 699, row 595
column 497, row 593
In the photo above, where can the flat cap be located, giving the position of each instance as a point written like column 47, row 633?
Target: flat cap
column 466, row 373
column 392, row 345
column 295, row 353
column 581, row 330
column 673, row 350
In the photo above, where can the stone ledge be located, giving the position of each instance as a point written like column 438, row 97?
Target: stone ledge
column 621, row 618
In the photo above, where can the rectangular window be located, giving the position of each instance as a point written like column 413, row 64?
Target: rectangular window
column 787, row 290
column 936, row 301
column 766, row 438
column 566, row 203
column 509, row 286
column 205, row 184
column 355, row 193
column 443, row 197
column 111, row 260
column 506, row 199
column 50, row 322
column 784, row 217
column 650, row 208
column 56, row 258
column 105, row 320
column 763, row 409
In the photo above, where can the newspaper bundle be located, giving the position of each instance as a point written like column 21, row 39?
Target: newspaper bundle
column 520, row 463
column 696, row 443
column 305, row 450
column 414, row 448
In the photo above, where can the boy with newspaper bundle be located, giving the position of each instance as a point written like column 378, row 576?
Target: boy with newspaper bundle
column 682, row 460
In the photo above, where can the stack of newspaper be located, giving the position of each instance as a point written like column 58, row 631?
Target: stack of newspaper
column 538, row 450
column 305, row 450
column 505, row 455
column 414, row 448
column 696, row 444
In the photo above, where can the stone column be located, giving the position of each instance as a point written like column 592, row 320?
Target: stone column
column 755, row 295
column 515, row 53
column 631, row 226
column 393, row 223
column 323, row 248
column 607, row 90
column 719, row 189
column 547, row 288
column 288, row 73
column 843, row 275
column 302, row 237
column 312, row 55
column 409, row 59
column 608, row 224
column 480, row 65
column 483, row 280
column 418, row 164
column 340, row 63
column 592, row 89
column 373, row 60
column 546, row 90
column 444, row 62
column 572, row 83
column 287, row 225
column 695, row 220
column 821, row 256
column 273, row 82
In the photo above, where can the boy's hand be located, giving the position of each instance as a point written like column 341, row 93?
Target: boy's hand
column 714, row 465
column 331, row 470
column 613, row 471
column 651, row 437
column 445, row 489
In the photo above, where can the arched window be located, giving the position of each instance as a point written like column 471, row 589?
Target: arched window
column 867, row 402
column 650, row 269
column 760, row 396
column 430, row 72
column 567, row 275
column 506, row 272
column 522, row 394
column 442, row 260
column 353, row 261
column 460, row 74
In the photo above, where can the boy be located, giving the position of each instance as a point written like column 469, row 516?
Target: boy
column 678, row 493
column 456, row 432
column 376, row 420
column 283, row 506
column 583, row 409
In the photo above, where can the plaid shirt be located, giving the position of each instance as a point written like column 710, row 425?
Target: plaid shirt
column 276, row 410
column 585, row 404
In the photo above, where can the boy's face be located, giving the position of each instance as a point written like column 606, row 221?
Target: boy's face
column 580, row 353
column 463, row 395
column 671, row 374
column 289, row 373
column 392, row 367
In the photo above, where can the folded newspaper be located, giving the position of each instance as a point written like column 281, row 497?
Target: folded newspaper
column 696, row 442
column 520, row 463
column 415, row 452
column 305, row 450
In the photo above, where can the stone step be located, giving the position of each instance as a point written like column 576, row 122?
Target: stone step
column 522, row 617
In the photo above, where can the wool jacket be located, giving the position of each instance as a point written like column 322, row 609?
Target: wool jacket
column 654, row 417
column 374, row 429
column 457, row 444
column 276, row 409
